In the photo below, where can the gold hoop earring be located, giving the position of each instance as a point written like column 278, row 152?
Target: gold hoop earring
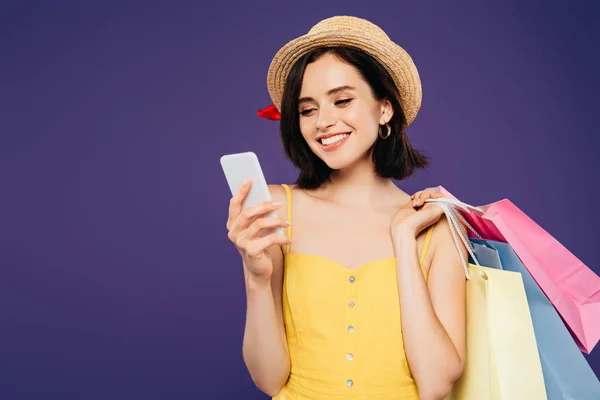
column 388, row 132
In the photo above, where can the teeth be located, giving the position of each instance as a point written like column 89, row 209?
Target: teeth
column 334, row 139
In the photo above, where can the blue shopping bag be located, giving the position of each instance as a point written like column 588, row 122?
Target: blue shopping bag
column 567, row 375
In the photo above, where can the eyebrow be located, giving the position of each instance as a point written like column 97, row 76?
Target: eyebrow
column 329, row 93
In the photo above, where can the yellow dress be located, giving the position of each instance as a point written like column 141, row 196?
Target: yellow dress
column 343, row 329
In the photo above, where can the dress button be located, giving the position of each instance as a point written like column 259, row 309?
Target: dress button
column 349, row 382
column 351, row 303
column 352, row 279
column 349, row 356
column 351, row 329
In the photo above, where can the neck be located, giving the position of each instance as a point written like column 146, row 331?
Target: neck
column 359, row 186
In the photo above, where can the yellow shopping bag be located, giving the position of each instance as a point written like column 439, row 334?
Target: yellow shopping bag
column 502, row 359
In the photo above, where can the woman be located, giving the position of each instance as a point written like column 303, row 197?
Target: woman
column 367, row 298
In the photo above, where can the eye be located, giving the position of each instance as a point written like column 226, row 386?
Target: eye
column 306, row 113
column 343, row 102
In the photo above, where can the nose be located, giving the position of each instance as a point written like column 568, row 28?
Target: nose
column 325, row 119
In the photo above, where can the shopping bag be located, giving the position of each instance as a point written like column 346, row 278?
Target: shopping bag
column 570, row 285
column 502, row 360
column 567, row 375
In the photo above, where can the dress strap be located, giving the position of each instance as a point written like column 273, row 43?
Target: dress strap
column 289, row 214
column 424, row 250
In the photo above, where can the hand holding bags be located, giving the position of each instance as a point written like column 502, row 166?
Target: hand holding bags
column 571, row 286
column 502, row 358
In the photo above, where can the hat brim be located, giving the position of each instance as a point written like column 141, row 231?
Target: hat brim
column 392, row 57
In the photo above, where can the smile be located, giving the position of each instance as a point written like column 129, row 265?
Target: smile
column 334, row 142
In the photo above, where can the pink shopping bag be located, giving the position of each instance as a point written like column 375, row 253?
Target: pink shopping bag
column 570, row 285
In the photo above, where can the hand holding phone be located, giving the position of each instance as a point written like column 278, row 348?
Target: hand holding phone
column 253, row 223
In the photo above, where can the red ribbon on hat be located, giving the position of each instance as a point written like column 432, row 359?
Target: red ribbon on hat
column 270, row 113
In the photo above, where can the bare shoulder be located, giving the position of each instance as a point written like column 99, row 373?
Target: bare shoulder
column 279, row 194
column 443, row 241
column 441, row 233
column 441, row 230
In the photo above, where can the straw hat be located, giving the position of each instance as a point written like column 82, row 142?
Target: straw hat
column 358, row 33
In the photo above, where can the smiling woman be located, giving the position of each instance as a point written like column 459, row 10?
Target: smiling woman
column 357, row 89
column 366, row 300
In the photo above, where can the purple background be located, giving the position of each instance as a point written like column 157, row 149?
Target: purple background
column 117, row 280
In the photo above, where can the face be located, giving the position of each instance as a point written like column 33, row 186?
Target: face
column 339, row 116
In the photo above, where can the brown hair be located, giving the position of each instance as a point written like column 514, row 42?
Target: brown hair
column 393, row 157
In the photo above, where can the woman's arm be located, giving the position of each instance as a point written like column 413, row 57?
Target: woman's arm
column 433, row 313
column 265, row 348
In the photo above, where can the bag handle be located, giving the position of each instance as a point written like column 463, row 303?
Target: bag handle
column 458, row 232
column 460, row 205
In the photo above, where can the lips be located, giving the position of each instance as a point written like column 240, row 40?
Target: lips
column 330, row 135
column 328, row 146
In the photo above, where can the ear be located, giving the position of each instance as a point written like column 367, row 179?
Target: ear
column 386, row 112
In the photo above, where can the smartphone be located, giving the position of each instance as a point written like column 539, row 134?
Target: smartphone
column 241, row 166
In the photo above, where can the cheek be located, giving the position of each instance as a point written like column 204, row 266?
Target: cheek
column 307, row 128
column 362, row 121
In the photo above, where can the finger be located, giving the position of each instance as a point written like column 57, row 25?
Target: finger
column 416, row 194
column 424, row 196
column 261, row 224
column 437, row 195
column 417, row 200
column 427, row 190
column 257, row 247
column 431, row 195
column 260, row 209
column 427, row 195
column 247, row 215
column 235, row 204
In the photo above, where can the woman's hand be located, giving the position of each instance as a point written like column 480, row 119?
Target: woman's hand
column 249, row 232
column 418, row 199
column 409, row 221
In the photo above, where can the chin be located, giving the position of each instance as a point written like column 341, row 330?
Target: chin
column 340, row 161
column 344, row 156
